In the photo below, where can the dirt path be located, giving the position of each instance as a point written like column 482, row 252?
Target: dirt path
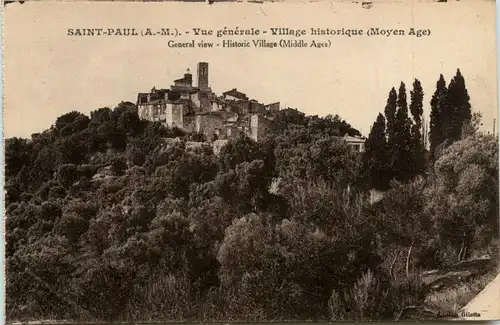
column 486, row 305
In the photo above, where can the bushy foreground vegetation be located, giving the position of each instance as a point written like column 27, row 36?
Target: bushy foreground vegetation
column 107, row 221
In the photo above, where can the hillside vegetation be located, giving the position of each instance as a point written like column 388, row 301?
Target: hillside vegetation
column 107, row 221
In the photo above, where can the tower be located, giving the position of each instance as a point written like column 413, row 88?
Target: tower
column 202, row 75
column 188, row 77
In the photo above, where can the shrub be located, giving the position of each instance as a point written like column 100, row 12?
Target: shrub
column 86, row 171
column 164, row 296
column 67, row 174
column 374, row 297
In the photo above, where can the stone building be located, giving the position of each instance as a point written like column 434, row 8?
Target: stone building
column 259, row 126
column 185, row 82
column 234, row 94
column 198, row 109
column 273, row 107
column 212, row 123
column 356, row 143
column 174, row 114
column 170, row 106
column 256, row 107
column 158, row 106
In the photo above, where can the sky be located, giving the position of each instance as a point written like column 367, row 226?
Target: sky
column 47, row 73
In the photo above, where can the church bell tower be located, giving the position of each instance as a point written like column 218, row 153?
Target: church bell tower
column 202, row 75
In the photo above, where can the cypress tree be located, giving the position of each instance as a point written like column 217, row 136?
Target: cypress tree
column 402, row 163
column 416, row 109
column 460, row 108
column 375, row 162
column 439, row 115
column 390, row 117
column 390, row 113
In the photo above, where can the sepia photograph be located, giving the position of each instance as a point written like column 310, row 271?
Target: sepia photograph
column 172, row 162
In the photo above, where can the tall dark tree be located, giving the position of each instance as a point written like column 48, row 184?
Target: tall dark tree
column 439, row 115
column 416, row 109
column 460, row 108
column 390, row 117
column 390, row 113
column 375, row 159
column 402, row 151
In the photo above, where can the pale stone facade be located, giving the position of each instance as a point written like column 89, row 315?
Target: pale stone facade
column 198, row 109
column 356, row 143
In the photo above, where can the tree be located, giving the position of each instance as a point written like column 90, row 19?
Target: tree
column 70, row 123
column 404, row 222
column 35, row 273
column 103, row 288
column 73, row 149
column 331, row 125
column 375, row 159
column 71, row 226
column 67, row 174
column 416, row 109
column 464, row 195
column 439, row 115
column 402, row 153
column 471, row 127
column 244, row 189
column 128, row 119
column 390, row 115
column 119, row 165
column 100, row 116
column 313, row 157
column 236, row 151
column 286, row 118
column 460, row 108
column 177, row 176
column 288, row 268
column 17, row 154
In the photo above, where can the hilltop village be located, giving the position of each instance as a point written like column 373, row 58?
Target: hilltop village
column 195, row 108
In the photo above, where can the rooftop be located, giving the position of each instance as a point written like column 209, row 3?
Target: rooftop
column 348, row 138
column 235, row 93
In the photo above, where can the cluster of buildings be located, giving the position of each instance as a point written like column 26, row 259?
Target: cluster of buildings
column 195, row 108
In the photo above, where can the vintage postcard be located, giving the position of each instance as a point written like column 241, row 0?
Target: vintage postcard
column 238, row 162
